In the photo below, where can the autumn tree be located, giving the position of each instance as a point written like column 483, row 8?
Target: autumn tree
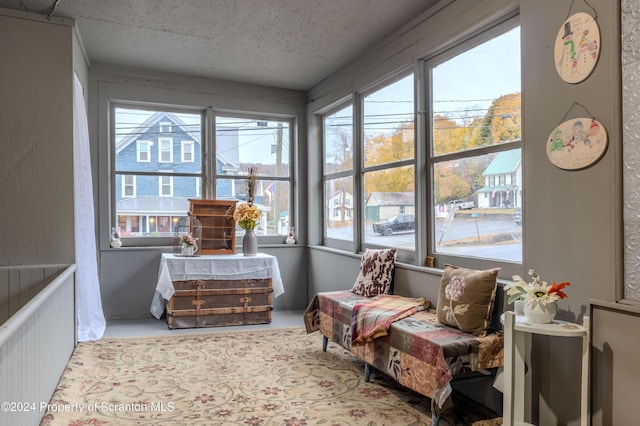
column 389, row 148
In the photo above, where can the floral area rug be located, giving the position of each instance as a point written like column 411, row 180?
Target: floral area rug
column 259, row 378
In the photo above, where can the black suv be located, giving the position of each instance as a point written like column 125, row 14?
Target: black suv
column 402, row 222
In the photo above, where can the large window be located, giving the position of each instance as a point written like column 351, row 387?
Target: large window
column 244, row 142
column 476, row 139
column 339, row 188
column 456, row 191
column 160, row 162
column 388, row 166
column 151, row 190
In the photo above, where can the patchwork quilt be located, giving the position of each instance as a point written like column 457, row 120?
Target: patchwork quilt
column 417, row 351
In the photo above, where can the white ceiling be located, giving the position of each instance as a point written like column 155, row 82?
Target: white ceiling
column 292, row 44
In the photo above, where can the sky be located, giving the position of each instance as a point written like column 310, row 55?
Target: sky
column 469, row 81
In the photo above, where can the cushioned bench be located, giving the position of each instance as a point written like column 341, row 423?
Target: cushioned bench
column 421, row 351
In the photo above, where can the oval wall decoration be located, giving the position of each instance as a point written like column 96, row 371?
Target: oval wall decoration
column 577, row 48
column 577, row 143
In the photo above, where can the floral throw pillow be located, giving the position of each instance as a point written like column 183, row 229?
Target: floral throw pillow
column 376, row 273
column 466, row 299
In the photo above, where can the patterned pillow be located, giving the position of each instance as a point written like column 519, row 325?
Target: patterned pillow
column 376, row 272
column 466, row 299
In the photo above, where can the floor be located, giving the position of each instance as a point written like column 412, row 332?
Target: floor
column 152, row 327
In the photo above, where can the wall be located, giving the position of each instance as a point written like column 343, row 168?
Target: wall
column 128, row 275
column 36, row 135
column 572, row 229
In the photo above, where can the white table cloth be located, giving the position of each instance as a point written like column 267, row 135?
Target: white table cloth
column 212, row 267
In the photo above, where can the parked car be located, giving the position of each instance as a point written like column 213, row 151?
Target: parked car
column 399, row 223
column 461, row 205
column 517, row 216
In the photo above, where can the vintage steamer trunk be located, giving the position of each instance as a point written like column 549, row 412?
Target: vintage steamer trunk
column 214, row 303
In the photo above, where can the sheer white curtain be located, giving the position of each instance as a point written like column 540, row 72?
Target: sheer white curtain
column 90, row 318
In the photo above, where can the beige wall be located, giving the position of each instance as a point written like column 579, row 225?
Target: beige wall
column 36, row 140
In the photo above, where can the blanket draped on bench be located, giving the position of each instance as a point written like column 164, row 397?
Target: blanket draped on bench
column 372, row 319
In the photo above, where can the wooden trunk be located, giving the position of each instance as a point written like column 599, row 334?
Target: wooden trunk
column 214, row 303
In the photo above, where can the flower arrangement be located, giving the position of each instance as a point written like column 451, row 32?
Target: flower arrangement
column 187, row 240
column 247, row 215
column 535, row 291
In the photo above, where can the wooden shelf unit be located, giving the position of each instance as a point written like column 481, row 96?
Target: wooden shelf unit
column 218, row 225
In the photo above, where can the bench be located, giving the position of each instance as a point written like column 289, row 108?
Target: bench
column 418, row 351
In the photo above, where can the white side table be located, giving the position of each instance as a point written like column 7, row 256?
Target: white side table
column 517, row 333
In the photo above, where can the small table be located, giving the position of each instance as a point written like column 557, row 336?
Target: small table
column 517, row 333
column 220, row 267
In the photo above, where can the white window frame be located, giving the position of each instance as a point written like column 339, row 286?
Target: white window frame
column 183, row 151
column 161, row 150
column 509, row 268
column 165, row 127
column 139, row 151
column 162, row 184
column 124, row 186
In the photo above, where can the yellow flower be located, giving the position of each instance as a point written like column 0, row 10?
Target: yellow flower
column 247, row 215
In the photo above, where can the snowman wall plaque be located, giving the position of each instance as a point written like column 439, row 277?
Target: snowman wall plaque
column 577, row 143
column 577, row 48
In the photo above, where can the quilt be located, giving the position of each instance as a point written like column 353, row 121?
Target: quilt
column 418, row 352
column 371, row 319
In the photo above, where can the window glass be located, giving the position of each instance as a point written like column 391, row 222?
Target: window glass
column 339, row 208
column 263, row 144
column 389, row 172
column 388, row 123
column 339, row 188
column 477, row 159
column 338, row 141
column 153, row 184
column 390, row 207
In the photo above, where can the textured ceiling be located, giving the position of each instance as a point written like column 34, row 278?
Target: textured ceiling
column 291, row 44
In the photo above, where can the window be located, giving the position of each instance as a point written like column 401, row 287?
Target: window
column 152, row 195
column 165, row 150
column 187, row 151
column 128, row 186
column 243, row 142
column 475, row 144
column 165, row 127
column 388, row 157
column 338, row 176
column 166, row 186
column 144, row 151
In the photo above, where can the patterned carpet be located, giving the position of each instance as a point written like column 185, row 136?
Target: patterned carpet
column 256, row 378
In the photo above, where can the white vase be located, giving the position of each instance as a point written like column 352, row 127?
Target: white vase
column 187, row 250
column 539, row 312
column 250, row 243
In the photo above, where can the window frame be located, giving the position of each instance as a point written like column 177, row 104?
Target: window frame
column 161, row 150
column 113, row 105
column 423, row 155
column 162, row 184
column 508, row 268
column 404, row 255
column 139, row 151
column 290, row 179
column 184, row 144
column 347, row 245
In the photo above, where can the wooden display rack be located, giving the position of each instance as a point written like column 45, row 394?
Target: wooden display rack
column 218, row 225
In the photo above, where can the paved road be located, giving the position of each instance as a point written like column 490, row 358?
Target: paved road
column 461, row 237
